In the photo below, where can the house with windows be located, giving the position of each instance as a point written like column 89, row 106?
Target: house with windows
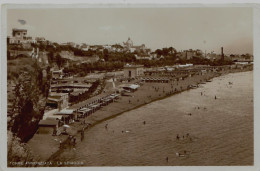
column 58, row 100
column 133, row 71
column 19, row 36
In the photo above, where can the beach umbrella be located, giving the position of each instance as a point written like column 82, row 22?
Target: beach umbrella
column 66, row 126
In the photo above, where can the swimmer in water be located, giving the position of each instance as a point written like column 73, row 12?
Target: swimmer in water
column 177, row 137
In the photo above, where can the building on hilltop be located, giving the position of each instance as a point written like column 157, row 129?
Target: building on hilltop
column 129, row 43
column 19, row 36
column 19, row 33
column 189, row 54
column 211, row 56
column 129, row 46
column 186, row 54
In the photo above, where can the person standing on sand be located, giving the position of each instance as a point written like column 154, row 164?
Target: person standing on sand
column 70, row 139
column 82, row 136
column 74, row 140
column 106, row 126
column 177, row 137
column 60, row 144
column 167, row 159
column 215, row 97
column 144, row 122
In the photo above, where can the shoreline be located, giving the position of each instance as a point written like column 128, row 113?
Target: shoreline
column 113, row 114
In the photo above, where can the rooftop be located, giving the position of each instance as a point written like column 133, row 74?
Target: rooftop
column 15, row 29
column 133, row 66
column 48, row 122
column 53, row 94
column 65, row 112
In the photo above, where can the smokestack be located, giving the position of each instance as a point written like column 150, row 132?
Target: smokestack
column 222, row 54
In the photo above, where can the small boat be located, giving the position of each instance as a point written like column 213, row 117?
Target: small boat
column 182, row 155
column 193, row 86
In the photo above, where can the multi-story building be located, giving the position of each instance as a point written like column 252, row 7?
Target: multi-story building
column 132, row 71
column 129, row 46
column 186, row 54
column 19, row 36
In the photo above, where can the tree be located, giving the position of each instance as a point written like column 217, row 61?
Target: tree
column 165, row 51
column 59, row 61
column 106, row 55
column 8, row 55
column 50, row 57
column 158, row 52
column 172, row 50
column 247, row 56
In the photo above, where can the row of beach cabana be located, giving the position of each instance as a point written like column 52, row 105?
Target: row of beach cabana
column 54, row 119
column 156, row 79
column 87, row 108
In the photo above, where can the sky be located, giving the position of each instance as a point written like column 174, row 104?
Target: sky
column 207, row 29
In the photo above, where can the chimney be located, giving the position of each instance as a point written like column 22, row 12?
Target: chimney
column 222, row 54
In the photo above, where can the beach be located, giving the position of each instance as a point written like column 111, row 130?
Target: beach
column 221, row 129
column 45, row 147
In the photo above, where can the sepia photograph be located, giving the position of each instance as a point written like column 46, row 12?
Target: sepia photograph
column 129, row 86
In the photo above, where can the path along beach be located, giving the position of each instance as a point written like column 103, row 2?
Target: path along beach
column 221, row 130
